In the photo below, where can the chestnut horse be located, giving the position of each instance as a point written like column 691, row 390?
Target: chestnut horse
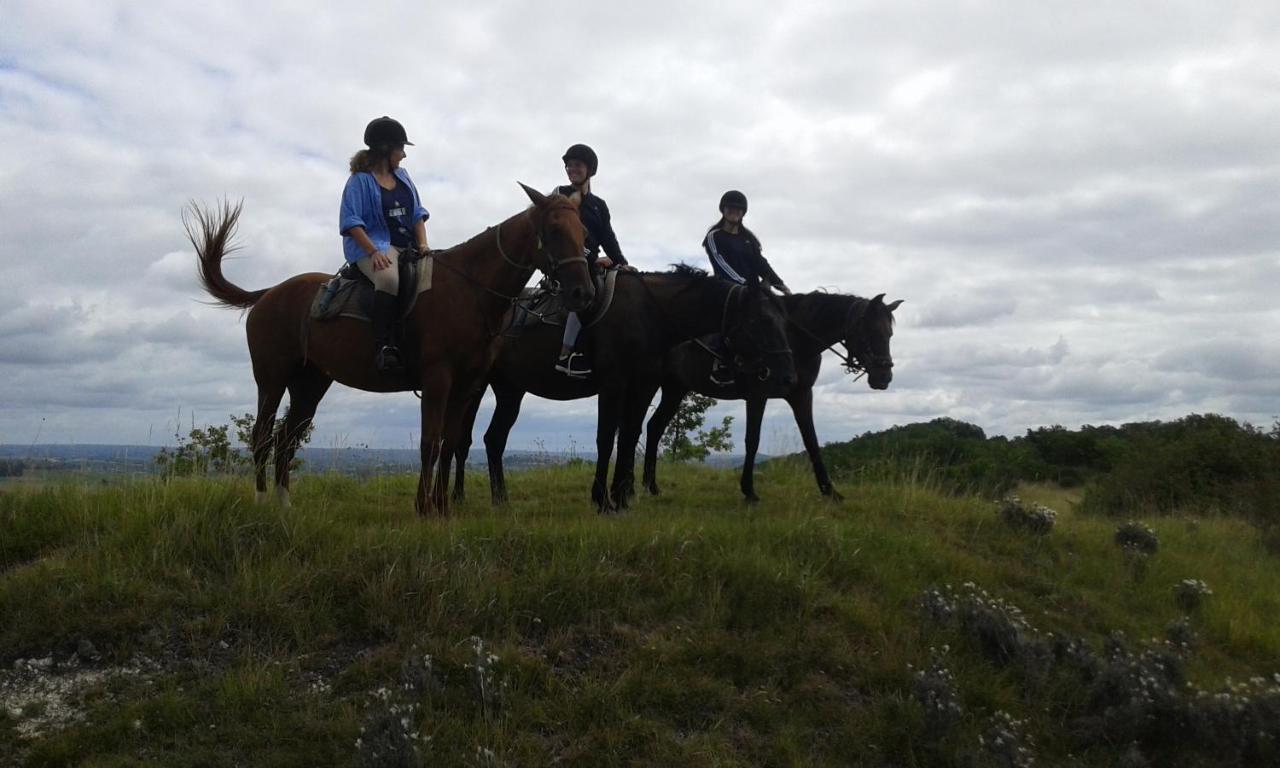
column 816, row 322
column 450, row 339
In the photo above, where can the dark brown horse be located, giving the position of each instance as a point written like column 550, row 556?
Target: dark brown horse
column 651, row 313
column 815, row 323
column 449, row 340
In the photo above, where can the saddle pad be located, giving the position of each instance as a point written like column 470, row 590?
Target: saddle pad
column 345, row 297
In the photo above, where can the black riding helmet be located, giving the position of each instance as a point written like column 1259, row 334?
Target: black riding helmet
column 585, row 154
column 384, row 131
column 733, row 198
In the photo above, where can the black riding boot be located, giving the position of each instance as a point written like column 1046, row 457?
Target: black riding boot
column 387, row 354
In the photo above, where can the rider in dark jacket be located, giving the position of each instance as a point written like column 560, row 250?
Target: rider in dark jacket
column 734, row 250
column 580, row 164
column 735, row 255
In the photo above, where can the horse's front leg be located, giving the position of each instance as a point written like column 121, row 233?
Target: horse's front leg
column 801, row 403
column 639, row 394
column 608, row 409
column 463, row 447
column 455, row 417
column 435, row 394
column 755, row 415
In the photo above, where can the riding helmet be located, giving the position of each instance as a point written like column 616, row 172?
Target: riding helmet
column 733, row 198
column 585, row 154
column 384, row 131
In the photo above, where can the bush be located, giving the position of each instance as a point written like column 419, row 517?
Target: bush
column 1199, row 463
column 1137, row 537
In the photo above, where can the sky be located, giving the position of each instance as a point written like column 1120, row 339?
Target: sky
column 1079, row 203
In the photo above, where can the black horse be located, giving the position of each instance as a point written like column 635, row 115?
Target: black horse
column 815, row 323
column 651, row 313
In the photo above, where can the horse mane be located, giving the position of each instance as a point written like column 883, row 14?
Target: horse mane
column 487, row 232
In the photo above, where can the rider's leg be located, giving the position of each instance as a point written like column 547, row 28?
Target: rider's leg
column 572, row 363
column 386, row 289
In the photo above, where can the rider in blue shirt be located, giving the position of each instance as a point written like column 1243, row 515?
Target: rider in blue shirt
column 380, row 216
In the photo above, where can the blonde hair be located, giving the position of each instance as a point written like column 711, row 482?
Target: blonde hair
column 365, row 160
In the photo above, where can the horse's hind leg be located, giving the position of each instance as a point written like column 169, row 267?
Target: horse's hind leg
column 306, row 389
column 672, row 396
column 269, row 396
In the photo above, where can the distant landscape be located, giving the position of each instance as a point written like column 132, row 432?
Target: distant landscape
column 140, row 460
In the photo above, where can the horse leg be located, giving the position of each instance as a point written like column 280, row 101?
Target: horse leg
column 624, row 470
column 435, row 398
column 269, row 397
column 801, row 403
column 755, row 414
column 608, row 407
column 455, row 416
column 672, row 396
column 505, row 413
column 463, row 448
column 306, row 389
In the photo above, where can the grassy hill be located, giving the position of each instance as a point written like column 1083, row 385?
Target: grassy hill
column 180, row 624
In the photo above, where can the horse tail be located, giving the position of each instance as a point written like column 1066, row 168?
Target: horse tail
column 211, row 233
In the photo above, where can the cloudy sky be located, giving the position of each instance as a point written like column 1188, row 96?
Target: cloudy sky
column 1079, row 202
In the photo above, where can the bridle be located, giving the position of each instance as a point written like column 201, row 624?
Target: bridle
column 549, row 281
column 858, row 359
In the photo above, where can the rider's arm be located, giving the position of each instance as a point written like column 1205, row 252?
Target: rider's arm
column 608, row 240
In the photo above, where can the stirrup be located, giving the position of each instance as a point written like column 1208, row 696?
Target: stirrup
column 721, row 375
column 574, row 366
column 388, row 359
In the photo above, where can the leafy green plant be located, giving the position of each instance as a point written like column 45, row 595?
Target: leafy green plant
column 685, row 440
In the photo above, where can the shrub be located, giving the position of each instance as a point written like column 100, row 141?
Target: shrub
column 1039, row 519
column 1137, row 537
column 1189, row 594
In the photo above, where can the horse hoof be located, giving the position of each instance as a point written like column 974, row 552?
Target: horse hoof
column 833, row 495
column 751, row 498
column 653, row 489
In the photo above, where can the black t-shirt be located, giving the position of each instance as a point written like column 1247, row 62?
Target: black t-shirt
column 397, row 208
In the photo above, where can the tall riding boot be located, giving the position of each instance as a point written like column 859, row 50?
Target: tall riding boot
column 387, row 354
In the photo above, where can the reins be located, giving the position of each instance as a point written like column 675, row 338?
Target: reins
column 851, row 363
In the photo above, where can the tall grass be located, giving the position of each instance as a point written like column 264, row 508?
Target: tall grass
column 692, row 631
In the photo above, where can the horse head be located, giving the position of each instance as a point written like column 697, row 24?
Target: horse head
column 756, row 332
column 559, row 251
column 867, row 332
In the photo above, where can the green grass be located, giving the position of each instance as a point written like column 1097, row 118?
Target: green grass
column 691, row 631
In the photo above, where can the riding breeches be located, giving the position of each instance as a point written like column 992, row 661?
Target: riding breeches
column 384, row 280
column 572, row 325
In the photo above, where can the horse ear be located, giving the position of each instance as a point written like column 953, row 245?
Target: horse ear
column 537, row 197
column 879, row 299
column 893, row 306
column 576, row 197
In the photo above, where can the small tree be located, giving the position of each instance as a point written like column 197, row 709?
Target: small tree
column 678, row 445
column 209, row 450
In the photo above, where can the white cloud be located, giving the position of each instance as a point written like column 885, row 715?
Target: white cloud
column 1080, row 205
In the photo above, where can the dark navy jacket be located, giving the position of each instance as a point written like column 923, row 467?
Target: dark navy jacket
column 595, row 219
column 737, row 257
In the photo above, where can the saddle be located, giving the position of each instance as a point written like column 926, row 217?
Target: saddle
column 350, row 294
column 537, row 306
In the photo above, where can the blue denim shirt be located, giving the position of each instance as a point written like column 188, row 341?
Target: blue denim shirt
column 362, row 207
